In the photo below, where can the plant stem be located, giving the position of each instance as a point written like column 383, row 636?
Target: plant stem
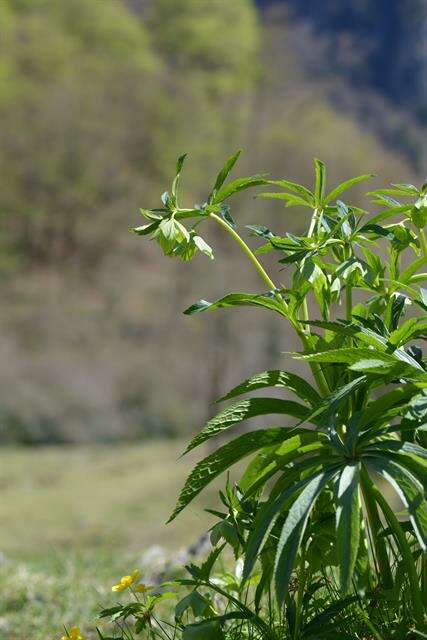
column 315, row 368
column 348, row 301
column 370, row 626
column 405, row 549
column 314, row 219
column 252, row 257
column 257, row 621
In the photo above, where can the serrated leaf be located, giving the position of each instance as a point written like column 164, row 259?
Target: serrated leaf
column 271, row 459
column 275, row 378
column 226, row 456
column 238, row 300
column 345, row 356
column 331, row 402
column 244, row 410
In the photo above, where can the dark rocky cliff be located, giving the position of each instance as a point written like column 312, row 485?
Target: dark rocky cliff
column 379, row 45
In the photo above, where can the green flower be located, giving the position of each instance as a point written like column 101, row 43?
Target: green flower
column 169, row 234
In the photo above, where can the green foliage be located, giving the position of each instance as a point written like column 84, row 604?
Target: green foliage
column 368, row 412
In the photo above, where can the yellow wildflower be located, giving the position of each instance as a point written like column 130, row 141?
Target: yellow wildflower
column 74, row 634
column 126, row 581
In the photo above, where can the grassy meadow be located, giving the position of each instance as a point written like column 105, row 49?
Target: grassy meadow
column 74, row 520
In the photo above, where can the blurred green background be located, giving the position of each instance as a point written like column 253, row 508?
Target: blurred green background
column 97, row 99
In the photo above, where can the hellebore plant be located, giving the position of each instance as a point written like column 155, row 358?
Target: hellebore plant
column 360, row 426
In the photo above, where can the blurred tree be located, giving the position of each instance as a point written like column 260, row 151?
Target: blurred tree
column 97, row 99
column 64, row 156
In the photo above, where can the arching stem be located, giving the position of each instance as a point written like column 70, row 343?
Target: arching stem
column 316, row 370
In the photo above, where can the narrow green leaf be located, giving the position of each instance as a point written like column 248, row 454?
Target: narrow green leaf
column 238, row 300
column 348, row 523
column 389, row 213
column 290, row 198
column 179, row 165
column 223, row 174
column 332, row 401
column 205, row 630
column 377, row 408
column 409, row 489
column 293, row 531
column 238, row 185
column 390, row 192
column 271, row 459
column 290, row 484
column 227, row 455
column 320, row 180
column 297, row 188
column 276, row 378
column 364, row 357
column 333, row 195
column 407, row 331
column 244, row 410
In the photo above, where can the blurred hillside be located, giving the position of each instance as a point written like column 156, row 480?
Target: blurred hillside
column 97, row 99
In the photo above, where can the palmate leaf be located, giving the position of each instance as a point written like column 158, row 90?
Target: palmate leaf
column 238, row 300
column 293, row 530
column 275, row 378
column 348, row 523
column 226, row 456
column 243, row 410
column 408, row 488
